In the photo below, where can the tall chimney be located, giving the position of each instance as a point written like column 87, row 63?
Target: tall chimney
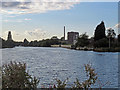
column 64, row 32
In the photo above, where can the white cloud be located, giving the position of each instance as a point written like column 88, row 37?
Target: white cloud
column 62, row 0
column 14, row 34
column 108, row 28
column 36, row 34
column 117, row 25
column 16, row 20
column 35, row 6
column 10, row 16
column 5, row 20
column 27, row 19
column 40, row 6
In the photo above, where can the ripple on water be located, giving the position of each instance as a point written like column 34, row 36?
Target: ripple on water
column 51, row 63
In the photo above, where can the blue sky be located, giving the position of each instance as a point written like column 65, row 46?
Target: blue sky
column 81, row 17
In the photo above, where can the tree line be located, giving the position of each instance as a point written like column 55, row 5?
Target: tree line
column 42, row 43
column 100, row 39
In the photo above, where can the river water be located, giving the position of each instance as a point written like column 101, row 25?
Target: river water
column 47, row 64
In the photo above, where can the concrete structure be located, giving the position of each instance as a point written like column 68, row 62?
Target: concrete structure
column 9, row 38
column 72, row 37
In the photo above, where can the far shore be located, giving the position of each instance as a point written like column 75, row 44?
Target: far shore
column 116, row 49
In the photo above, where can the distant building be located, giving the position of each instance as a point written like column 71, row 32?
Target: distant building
column 9, row 38
column 72, row 37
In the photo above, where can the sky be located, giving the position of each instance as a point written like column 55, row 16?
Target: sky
column 42, row 20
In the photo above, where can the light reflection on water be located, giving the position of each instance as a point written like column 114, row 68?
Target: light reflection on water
column 50, row 63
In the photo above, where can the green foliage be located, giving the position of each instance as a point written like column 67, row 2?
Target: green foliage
column 82, row 40
column 44, row 43
column 116, row 49
column 99, row 32
column 101, row 43
column 119, row 38
column 61, row 84
column 90, row 73
column 26, row 42
column 14, row 75
column 92, row 77
column 111, row 33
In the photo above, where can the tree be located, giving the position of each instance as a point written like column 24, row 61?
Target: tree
column 119, row 38
column 82, row 40
column 25, row 43
column 99, row 32
column 101, row 43
column 111, row 35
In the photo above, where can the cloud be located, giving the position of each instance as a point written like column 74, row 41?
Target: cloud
column 27, row 19
column 16, row 20
column 61, row 0
column 39, row 6
column 35, row 6
column 108, row 28
column 36, row 34
column 10, row 16
column 14, row 34
column 117, row 25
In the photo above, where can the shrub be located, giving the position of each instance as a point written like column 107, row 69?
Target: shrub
column 14, row 75
column 61, row 84
column 101, row 43
column 92, row 77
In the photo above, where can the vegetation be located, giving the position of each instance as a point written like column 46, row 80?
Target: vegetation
column 119, row 38
column 14, row 75
column 92, row 77
column 109, row 41
column 99, row 41
column 111, row 35
column 82, row 40
column 61, row 84
column 100, row 32
column 26, row 43
column 116, row 49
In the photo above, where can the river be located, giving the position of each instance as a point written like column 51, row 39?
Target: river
column 49, row 63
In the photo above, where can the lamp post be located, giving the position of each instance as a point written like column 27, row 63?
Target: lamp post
column 109, row 42
column 111, row 34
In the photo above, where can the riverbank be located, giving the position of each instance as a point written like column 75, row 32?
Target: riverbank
column 116, row 49
column 63, row 46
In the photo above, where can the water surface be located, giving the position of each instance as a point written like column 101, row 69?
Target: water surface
column 50, row 63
